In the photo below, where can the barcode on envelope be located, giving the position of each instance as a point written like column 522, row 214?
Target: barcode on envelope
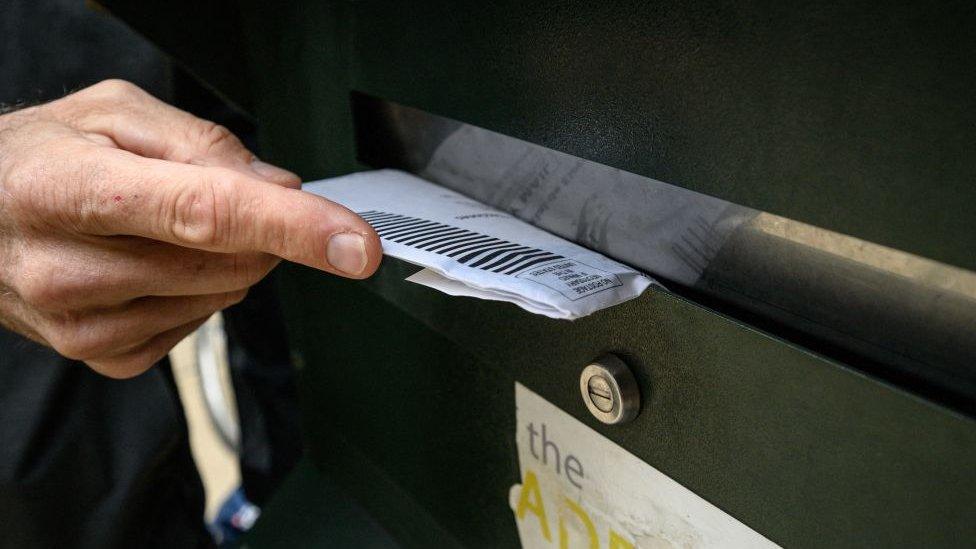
column 469, row 248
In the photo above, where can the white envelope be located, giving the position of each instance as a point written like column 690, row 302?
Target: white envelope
column 470, row 249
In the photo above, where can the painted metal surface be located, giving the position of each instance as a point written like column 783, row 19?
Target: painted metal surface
column 855, row 117
column 808, row 453
column 852, row 116
column 902, row 317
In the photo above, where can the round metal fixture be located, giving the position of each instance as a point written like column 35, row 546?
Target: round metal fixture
column 610, row 391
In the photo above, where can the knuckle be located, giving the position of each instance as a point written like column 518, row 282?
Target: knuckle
column 28, row 171
column 200, row 215
column 92, row 105
column 128, row 366
column 45, row 286
column 32, row 291
column 16, row 131
column 203, row 139
column 19, row 177
column 211, row 134
column 266, row 264
column 74, row 338
column 96, row 102
column 69, row 348
column 239, row 296
column 233, row 298
column 46, row 281
column 116, row 89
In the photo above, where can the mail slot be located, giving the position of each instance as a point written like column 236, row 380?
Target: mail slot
column 799, row 182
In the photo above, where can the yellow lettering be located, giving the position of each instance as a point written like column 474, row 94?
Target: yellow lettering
column 617, row 542
column 585, row 519
column 530, row 499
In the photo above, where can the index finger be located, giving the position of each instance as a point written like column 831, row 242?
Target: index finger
column 222, row 210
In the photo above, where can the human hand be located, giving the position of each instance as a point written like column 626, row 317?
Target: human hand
column 125, row 223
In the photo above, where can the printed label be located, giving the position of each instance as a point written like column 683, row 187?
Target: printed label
column 572, row 279
column 579, row 489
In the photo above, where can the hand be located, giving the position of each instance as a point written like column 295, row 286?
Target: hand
column 125, row 223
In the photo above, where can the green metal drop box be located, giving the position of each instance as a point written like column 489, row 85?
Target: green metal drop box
column 814, row 376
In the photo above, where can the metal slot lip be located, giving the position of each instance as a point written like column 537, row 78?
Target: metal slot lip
column 904, row 318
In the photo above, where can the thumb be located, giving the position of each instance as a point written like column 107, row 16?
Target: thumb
column 222, row 210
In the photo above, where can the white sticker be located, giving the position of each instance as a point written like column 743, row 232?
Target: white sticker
column 579, row 489
column 572, row 279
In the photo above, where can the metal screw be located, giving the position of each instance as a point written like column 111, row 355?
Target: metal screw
column 610, row 391
column 599, row 393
